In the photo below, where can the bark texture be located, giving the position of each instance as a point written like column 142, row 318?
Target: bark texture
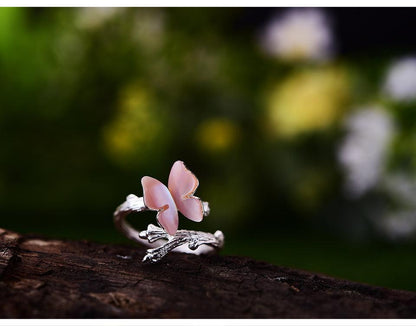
column 44, row 278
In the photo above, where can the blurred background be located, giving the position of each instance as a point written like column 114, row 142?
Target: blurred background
column 299, row 123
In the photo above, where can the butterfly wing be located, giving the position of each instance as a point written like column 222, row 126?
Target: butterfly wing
column 182, row 185
column 157, row 197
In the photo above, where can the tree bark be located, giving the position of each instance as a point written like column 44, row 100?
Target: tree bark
column 44, row 278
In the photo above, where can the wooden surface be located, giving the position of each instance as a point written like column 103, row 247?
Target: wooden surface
column 43, row 278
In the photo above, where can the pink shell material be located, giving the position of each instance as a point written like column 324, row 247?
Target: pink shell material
column 157, row 197
column 182, row 185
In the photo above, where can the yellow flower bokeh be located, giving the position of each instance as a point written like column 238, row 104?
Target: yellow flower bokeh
column 217, row 135
column 137, row 127
column 308, row 100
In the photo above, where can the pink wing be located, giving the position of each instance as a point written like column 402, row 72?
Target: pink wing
column 157, row 197
column 182, row 185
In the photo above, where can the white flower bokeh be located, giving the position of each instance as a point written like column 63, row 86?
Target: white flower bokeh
column 299, row 34
column 94, row 17
column 398, row 225
column 400, row 82
column 363, row 152
column 399, row 221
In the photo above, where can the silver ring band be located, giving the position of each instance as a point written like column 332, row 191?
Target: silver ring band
column 160, row 242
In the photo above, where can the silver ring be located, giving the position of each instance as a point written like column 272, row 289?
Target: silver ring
column 159, row 241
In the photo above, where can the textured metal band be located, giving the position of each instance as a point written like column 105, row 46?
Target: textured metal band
column 160, row 242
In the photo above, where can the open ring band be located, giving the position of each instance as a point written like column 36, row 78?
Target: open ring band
column 158, row 240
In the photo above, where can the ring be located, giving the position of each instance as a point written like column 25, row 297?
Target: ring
column 167, row 201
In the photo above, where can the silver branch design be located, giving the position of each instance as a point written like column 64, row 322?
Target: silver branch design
column 193, row 239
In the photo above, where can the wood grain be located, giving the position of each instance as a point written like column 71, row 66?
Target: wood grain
column 46, row 278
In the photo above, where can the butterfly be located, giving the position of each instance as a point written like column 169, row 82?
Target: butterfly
column 178, row 196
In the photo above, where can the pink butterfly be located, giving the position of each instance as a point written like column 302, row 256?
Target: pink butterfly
column 180, row 197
